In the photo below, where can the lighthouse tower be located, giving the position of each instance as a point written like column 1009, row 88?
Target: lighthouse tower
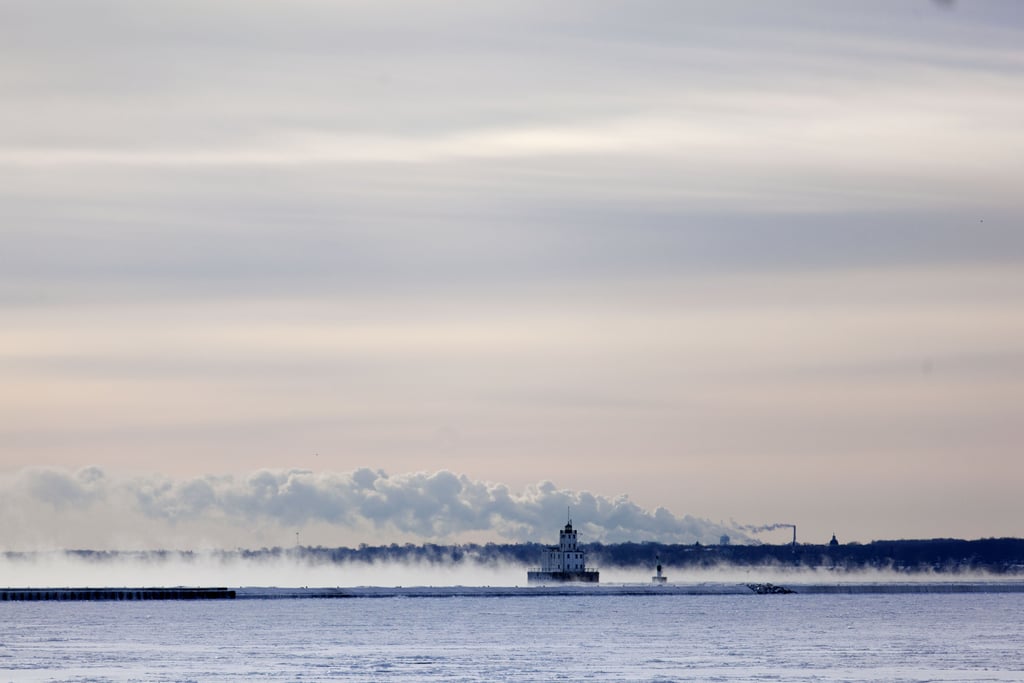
column 658, row 578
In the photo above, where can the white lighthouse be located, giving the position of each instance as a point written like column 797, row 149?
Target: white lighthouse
column 564, row 562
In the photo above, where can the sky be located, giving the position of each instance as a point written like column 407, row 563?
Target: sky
column 438, row 271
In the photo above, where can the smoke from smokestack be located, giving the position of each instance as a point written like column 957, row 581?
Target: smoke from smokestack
column 765, row 527
column 768, row 527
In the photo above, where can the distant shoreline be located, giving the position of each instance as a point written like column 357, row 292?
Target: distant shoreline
column 998, row 557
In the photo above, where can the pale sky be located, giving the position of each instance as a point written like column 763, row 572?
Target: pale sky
column 407, row 271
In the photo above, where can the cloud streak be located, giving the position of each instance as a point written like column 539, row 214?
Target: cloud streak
column 435, row 506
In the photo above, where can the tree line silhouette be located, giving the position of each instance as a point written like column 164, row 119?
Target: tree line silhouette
column 1002, row 556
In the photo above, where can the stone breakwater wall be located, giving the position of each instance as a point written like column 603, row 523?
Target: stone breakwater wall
column 267, row 593
column 99, row 594
column 918, row 587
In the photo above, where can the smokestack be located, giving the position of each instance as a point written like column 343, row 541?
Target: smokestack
column 771, row 527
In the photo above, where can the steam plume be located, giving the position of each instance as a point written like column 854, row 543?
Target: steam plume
column 765, row 527
column 91, row 507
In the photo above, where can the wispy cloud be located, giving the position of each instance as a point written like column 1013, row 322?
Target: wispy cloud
column 730, row 148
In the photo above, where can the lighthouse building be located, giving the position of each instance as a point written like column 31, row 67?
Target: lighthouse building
column 564, row 562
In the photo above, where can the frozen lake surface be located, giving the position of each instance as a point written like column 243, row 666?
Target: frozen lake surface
column 883, row 637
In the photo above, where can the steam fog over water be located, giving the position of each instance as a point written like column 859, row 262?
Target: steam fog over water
column 59, row 569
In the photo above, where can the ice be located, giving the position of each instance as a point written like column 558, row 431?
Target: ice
column 521, row 636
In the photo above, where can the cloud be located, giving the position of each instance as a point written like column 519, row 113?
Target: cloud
column 66, row 490
column 730, row 148
column 674, row 104
column 434, row 506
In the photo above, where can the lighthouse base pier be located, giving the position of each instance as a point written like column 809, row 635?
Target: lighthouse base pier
column 585, row 576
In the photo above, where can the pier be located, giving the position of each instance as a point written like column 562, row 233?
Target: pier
column 101, row 594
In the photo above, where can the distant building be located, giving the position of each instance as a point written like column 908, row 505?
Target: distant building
column 724, row 540
column 834, row 541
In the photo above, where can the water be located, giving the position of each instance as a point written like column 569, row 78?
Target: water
column 584, row 638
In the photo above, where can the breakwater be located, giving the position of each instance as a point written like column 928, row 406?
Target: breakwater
column 706, row 588
column 100, row 594
column 909, row 587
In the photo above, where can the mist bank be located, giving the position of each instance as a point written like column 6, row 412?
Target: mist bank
column 997, row 556
column 505, row 564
